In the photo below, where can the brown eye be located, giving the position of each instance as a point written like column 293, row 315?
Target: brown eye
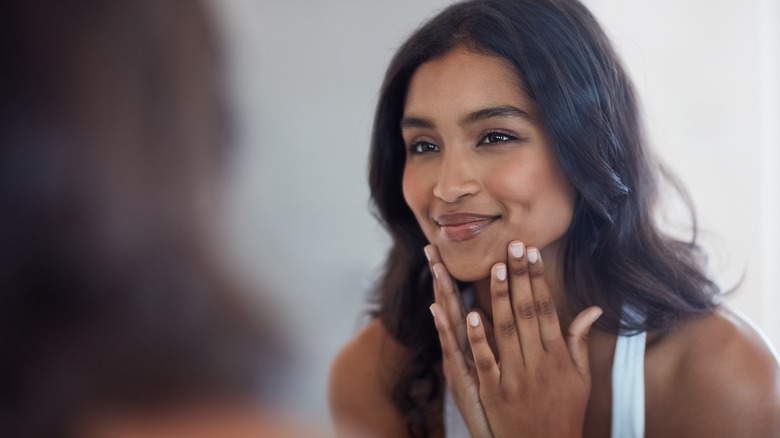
column 423, row 147
column 496, row 137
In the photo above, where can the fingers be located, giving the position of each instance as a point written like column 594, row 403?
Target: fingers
column 445, row 289
column 432, row 255
column 504, row 326
column 452, row 354
column 463, row 385
column 523, row 302
column 544, row 304
column 447, row 295
column 488, row 324
column 484, row 360
column 578, row 338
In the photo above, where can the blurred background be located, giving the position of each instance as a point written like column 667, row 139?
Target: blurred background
column 304, row 78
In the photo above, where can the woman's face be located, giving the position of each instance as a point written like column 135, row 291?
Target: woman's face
column 479, row 169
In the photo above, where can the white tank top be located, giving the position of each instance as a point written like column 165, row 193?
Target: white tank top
column 628, row 393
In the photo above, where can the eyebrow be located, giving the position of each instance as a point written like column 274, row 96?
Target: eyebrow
column 416, row 122
column 489, row 113
column 470, row 118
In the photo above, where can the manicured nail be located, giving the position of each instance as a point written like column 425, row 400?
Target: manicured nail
column 427, row 253
column 533, row 255
column 517, row 250
column 474, row 319
column 501, row 272
column 433, row 312
column 436, row 271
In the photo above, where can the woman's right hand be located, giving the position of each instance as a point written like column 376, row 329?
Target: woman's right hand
column 449, row 313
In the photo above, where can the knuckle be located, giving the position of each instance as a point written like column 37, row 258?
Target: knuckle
column 508, row 393
column 537, row 272
column 562, row 363
column 527, row 310
column 501, row 292
column 545, row 306
column 483, row 363
column 507, row 329
column 476, row 338
column 520, row 270
column 542, row 375
column 448, row 291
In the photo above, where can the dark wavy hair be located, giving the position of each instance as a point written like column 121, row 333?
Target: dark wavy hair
column 615, row 255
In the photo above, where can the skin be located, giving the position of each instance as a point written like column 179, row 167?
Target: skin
column 536, row 370
column 499, row 164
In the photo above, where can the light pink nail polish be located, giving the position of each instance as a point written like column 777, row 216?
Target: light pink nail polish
column 436, row 271
column 474, row 319
column 433, row 312
column 501, row 272
column 517, row 250
column 533, row 255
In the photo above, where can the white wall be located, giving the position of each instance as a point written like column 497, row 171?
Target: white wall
column 305, row 75
column 708, row 73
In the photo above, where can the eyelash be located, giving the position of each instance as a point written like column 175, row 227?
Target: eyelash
column 509, row 137
column 415, row 148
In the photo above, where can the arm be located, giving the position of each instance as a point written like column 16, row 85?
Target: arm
column 359, row 389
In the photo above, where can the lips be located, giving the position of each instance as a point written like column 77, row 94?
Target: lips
column 463, row 226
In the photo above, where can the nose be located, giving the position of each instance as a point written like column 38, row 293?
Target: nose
column 457, row 178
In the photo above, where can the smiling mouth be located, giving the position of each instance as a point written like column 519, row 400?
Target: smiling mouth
column 458, row 227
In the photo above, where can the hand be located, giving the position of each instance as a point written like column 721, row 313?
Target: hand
column 541, row 386
column 458, row 365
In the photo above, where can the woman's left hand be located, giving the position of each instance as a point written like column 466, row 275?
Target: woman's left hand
column 541, row 385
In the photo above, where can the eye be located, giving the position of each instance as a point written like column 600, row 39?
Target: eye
column 422, row 147
column 496, row 137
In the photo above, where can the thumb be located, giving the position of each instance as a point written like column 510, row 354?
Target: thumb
column 578, row 338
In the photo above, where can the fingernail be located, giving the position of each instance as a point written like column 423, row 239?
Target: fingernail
column 517, row 250
column 436, row 271
column 427, row 254
column 501, row 272
column 473, row 319
column 533, row 255
column 597, row 316
column 433, row 312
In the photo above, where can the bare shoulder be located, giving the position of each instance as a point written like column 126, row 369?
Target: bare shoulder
column 716, row 376
column 360, row 385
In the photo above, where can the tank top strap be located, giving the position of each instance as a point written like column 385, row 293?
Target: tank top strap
column 628, row 387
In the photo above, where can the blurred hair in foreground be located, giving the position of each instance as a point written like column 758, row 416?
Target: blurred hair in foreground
column 115, row 317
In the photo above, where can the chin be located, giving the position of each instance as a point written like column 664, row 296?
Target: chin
column 468, row 268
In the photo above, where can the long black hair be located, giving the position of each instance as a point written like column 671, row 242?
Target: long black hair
column 615, row 255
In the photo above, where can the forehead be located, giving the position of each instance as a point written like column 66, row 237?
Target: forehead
column 463, row 80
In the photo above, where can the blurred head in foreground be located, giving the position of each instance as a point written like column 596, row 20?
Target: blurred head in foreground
column 111, row 137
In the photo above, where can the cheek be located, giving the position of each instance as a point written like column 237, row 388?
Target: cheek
column 514, row 182
column 553, row 205
column 536, row 194
column 414, row 187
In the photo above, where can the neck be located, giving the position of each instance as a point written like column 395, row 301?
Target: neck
column 553, row 273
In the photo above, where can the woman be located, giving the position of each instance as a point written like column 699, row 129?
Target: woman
column 508, row 144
